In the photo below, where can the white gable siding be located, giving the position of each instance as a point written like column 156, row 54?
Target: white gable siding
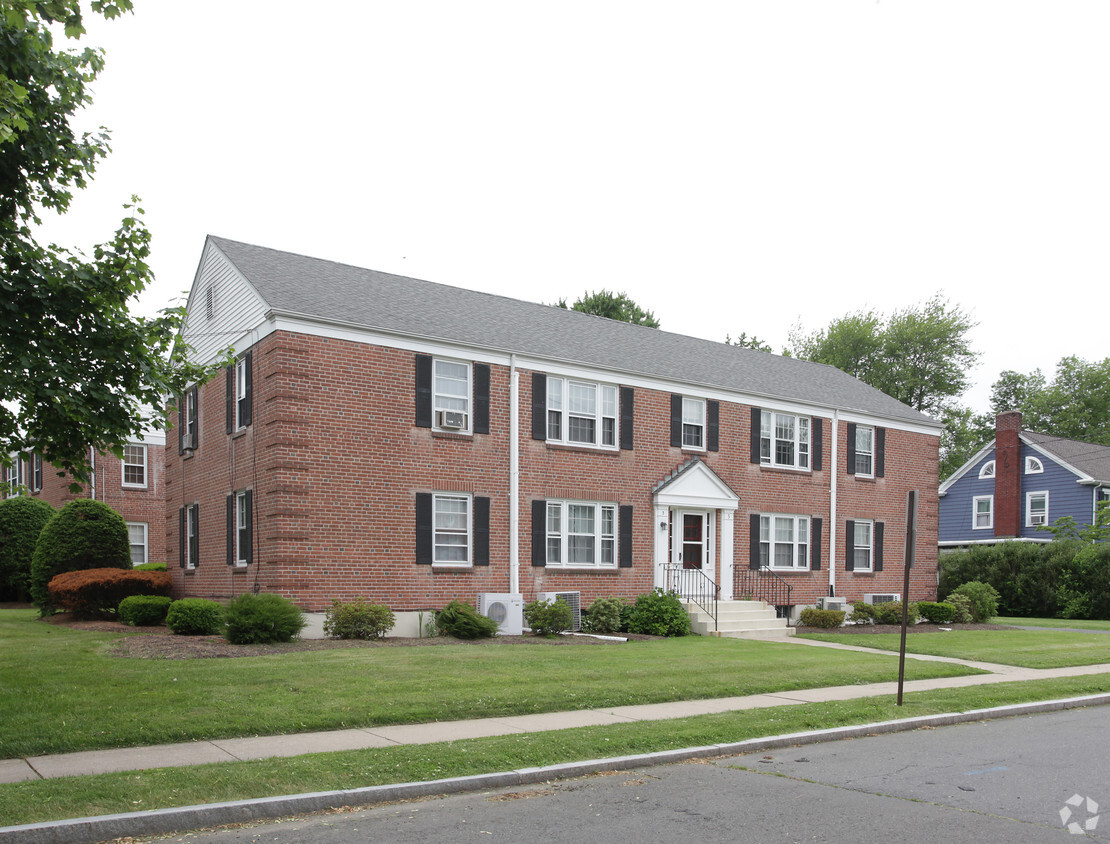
column 235, row 307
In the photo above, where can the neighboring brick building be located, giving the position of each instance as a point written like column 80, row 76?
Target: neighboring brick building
column 414, row 443
column 132, row 487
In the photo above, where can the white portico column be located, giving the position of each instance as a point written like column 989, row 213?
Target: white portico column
column 728, row 537
column 662, row 552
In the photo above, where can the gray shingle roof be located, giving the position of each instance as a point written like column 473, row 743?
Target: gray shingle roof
column 1092, row 459
column 340, row 293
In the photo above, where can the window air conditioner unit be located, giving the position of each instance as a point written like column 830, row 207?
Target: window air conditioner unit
column 571, row 599
column 504, row 608
column 1036, row 519
column 188, row 442
column 831, row 604
column 452, row 420
column 880, row 597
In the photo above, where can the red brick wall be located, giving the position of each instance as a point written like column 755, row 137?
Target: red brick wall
column 1007, row 474
column 335, row 461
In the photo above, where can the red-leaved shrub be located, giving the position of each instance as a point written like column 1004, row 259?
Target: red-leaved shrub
column 93, row 593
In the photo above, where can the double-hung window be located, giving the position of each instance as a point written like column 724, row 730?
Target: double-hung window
column 693, row 423
column 137, row 537
column 134, row 465
column 865, row 450
column 188, row 423
column 581, row 534
column 190, row 546
column 11, row 479
column 784, row 541
column 36, row 473
column 451, row 395
column 983, row 512
column 581, row 413
column 242, row 392
column 784, row 440
column 862, row 549
column 451, row 530
column 1036, row 509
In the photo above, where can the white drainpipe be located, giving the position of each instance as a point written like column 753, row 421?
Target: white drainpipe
column 834, row 468
column 92, row 473
column 514, row 477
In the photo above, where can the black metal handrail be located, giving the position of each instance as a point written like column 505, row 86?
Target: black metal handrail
column 764, row 585
column 695, row 586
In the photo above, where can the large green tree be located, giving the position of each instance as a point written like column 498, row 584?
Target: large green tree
column 1074, row 404
column 618, row 306
column 77, row 369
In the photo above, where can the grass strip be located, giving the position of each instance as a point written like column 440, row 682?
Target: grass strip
column 1026, row 648
column 1072, row 623
column 71, row 797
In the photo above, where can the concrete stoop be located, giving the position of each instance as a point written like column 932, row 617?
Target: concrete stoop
column 740, row 620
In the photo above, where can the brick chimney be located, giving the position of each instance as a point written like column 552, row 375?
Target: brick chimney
column 1007, row 474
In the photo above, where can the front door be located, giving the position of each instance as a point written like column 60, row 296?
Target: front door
column 691, row 552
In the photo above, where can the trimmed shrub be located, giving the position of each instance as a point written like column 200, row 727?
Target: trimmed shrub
column 983, row 598
column 813, row 617
column 548, row 618
column 961, row 605
column 96, row 593
column 262, row 619
column 144, row 610
column 151, row 567
column 604, row 615
column 862, row 613
column 358, row 619
column 936, row 613
column 461, row 620
column 195, row 617
column 21, row 521
column 659, row 613
column 82, row 535
column 890, row 612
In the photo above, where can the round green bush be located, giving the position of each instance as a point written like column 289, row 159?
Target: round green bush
column 21, row 521
column 358, row 619
column 461, row 620
column 961, row 606
column 262, row 619
column 659, row 613
column 936, row 613
column 828, row 619
column 890, row 612
column 84, row 534
column 195, row 617
column 548, row 618
column 604, row 615
column 983, row 598
column 151, row 567
column 144, row 610
column 862, row 613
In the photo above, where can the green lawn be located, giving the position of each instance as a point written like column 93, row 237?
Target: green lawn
column 60, row 692
column 1045, row 648
column 1074, row 623
column 71, row 797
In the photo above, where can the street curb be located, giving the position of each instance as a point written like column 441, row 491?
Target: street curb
column 185, row 818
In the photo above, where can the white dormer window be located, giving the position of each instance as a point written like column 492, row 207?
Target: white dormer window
column 988, row 470
column 1033, row 466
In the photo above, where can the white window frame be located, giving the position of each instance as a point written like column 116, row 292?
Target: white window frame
column 145, row 544
column 36, row 472
column 987, row 471
column 192, row 419
column 693, row 423
column 192, row 544
column 798, row 541
column 240, row 391
column 868, row 547
column 447, row 401
column 866, row 453
column 975, row 514
column 602, row 551
column 1029, row 496
column 242, row 539
column 442, row 531
column 1033, row 466
column 563, row 412
column 125, row 463
column 771, row 426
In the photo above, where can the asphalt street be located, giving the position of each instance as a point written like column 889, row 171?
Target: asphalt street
column 1016, row 780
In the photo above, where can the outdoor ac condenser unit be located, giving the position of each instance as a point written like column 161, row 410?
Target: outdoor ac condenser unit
column 504, row 608
column 572, row 599
column 880, row 597
column 831, row 604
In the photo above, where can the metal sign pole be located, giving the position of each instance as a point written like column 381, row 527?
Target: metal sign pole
column 911, row 543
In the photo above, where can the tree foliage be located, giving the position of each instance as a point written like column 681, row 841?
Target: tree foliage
column 76, row 368
column 1075, row 404
column 618, row 306
column 920, row 355
column 746, row 342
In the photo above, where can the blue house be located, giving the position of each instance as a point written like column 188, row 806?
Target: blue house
column 1020, row 481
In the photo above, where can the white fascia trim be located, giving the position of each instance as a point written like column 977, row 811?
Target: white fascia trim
column 963, row 470
column 1081, row 476
column 957, row 543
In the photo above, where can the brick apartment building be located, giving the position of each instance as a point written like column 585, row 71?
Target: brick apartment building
column 412, row 443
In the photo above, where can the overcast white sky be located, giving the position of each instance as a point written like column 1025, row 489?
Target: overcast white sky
column 732, row 166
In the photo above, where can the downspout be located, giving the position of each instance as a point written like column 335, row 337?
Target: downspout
column 514, row 477
column 835, row 469
column 92, row 473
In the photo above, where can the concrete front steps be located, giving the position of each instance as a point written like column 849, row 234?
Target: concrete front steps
column 739, row 620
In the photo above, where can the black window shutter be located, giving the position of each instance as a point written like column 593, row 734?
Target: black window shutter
column 713, row 425
column 181, row 537
column 878, row 540
column 817, row 444
column 539, row 533
column 424, row 393
column 182, row 402
column 231, row 529
column 815, row 546
column 424, row 528
column 196, row 529
column 880, row 452
column 757, row 419
column 229, row 399
column 851, row 466
column 539, row 407
column 248, row 552
column 753, row 541
column 248, row 396
column 627, row 417
column 625, row 536
column 849, row 544
column 481, row 530
column 481, row 398
column 676, row 421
